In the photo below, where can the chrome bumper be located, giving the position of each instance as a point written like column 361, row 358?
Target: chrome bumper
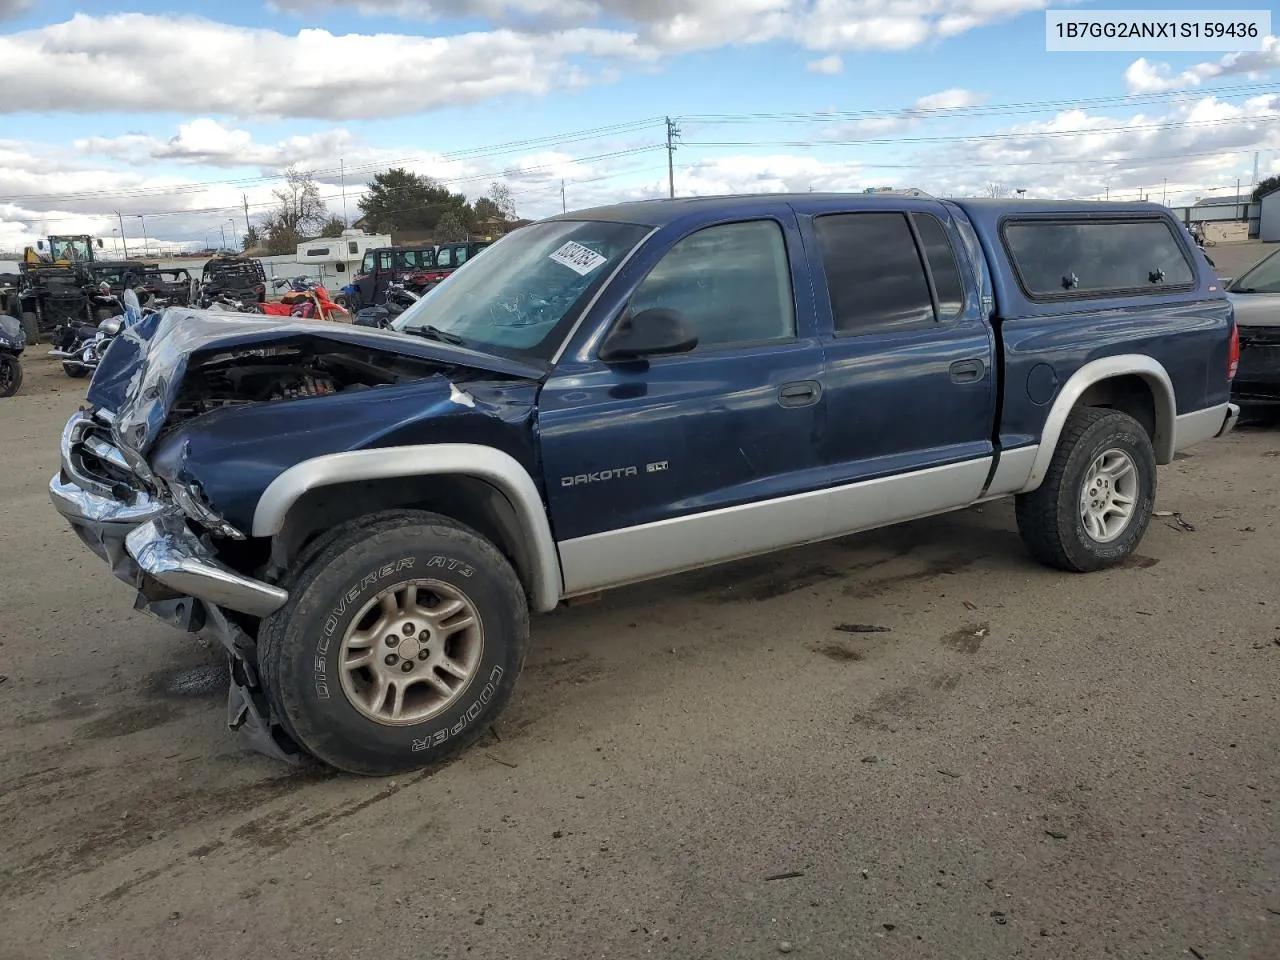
column 148, row 545
column 151, row 539
column 168, row 552
column 1229, row 422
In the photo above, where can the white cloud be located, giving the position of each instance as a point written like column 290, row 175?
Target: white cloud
column 952, row 99
column 929, row 107
column 155, row 62
column 1145, row 76
column 829, row 65
column 135, row 62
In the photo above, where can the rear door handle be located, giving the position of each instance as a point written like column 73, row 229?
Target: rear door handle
column 800, row 393
column 968, row 371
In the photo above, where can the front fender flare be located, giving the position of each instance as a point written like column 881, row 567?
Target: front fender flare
column 466, row 459
column 1148, row 368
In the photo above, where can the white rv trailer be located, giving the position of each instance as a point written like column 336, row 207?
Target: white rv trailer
column 335, row 260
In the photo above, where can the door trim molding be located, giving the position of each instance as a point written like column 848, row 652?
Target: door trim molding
column 615, row 558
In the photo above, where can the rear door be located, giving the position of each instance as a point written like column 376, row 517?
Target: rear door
column 910, row 374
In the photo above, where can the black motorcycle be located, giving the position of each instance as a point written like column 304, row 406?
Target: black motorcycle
column 13, row 340
column 81, row 346
column 398, row 300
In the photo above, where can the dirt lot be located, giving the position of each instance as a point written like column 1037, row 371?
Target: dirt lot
column 1016, row 763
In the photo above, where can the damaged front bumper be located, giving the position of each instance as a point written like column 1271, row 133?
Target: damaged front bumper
column 148, row 544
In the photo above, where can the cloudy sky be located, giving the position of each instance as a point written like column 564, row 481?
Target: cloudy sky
column 175, row 113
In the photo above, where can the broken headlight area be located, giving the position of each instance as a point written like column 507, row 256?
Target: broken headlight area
column 194, row 502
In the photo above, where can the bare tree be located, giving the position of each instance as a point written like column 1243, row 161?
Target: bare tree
column 996, row 191
column 500, row 195
column 299, row 212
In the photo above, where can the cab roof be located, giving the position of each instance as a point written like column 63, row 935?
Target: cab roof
column 660, row 212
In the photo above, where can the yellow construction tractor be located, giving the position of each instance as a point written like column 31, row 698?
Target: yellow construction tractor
column 65, row 251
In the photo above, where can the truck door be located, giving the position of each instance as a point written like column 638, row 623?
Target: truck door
column 674, row 462
column 367, row 281
column 910, row 374
column 383, row 276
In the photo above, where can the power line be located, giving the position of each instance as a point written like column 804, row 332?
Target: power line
column 985, row 137
column 328, row 197
column 470, row 153
column 577, row 136
column 993, row 109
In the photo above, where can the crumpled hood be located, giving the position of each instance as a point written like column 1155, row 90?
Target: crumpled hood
column 142, row 371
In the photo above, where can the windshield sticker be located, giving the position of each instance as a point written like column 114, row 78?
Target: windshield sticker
column 581, row 260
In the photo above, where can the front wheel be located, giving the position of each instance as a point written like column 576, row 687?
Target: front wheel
column 1096, row 500
column 401, row 643
column 10, row 375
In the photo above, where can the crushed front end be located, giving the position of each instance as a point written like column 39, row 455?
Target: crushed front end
column 131, row 519
column 192, row 415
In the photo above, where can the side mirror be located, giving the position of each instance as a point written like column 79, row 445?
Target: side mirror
column 649, row 333
column 99, row 243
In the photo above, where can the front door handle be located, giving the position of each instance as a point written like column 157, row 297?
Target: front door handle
column 800, row 393
column 968, row 371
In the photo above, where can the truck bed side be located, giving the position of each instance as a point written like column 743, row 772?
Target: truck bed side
column 1160, row 356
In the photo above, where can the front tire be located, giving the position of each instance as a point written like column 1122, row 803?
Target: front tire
column 1095, row 503
column 10, row 375
column 400, row 645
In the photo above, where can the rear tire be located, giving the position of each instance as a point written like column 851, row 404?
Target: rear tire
column 325, row 656
column 1096, row 500
column 10, row 375
column 74, row 372
column 31, row 324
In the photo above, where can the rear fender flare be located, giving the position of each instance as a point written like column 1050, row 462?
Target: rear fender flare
column 1148, row 368
column 489, row 464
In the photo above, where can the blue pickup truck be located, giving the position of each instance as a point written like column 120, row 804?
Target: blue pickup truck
column 365, row 518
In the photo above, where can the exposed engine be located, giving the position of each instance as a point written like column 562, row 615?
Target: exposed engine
column 285, row 373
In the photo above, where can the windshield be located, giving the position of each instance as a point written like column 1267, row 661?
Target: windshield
column 1262, row 278
column 522, row 295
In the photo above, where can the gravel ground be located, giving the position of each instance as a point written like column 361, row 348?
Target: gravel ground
column 1015, row 763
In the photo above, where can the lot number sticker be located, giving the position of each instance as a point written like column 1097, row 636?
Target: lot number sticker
column 578, row 258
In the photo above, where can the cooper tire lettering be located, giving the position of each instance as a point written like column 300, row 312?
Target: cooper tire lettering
column 298, row 655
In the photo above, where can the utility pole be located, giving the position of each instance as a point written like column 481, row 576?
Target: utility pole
column 223, row 230
column 124, row 242
column 247, row 228
column 1253, row 184
column 673, row 133
column 564, row 207
column 1164, row 194
column 342, row 173
column 1237, row 196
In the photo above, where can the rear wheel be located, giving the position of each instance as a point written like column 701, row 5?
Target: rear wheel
column 401, row 643
column 75, row 372
column 31, row 324
column 1095, row 503
column 10, row 375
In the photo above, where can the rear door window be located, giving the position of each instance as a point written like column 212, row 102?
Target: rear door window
column 875, row 276
column 1063, row 258
column 941, row 257
column 444, row 257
